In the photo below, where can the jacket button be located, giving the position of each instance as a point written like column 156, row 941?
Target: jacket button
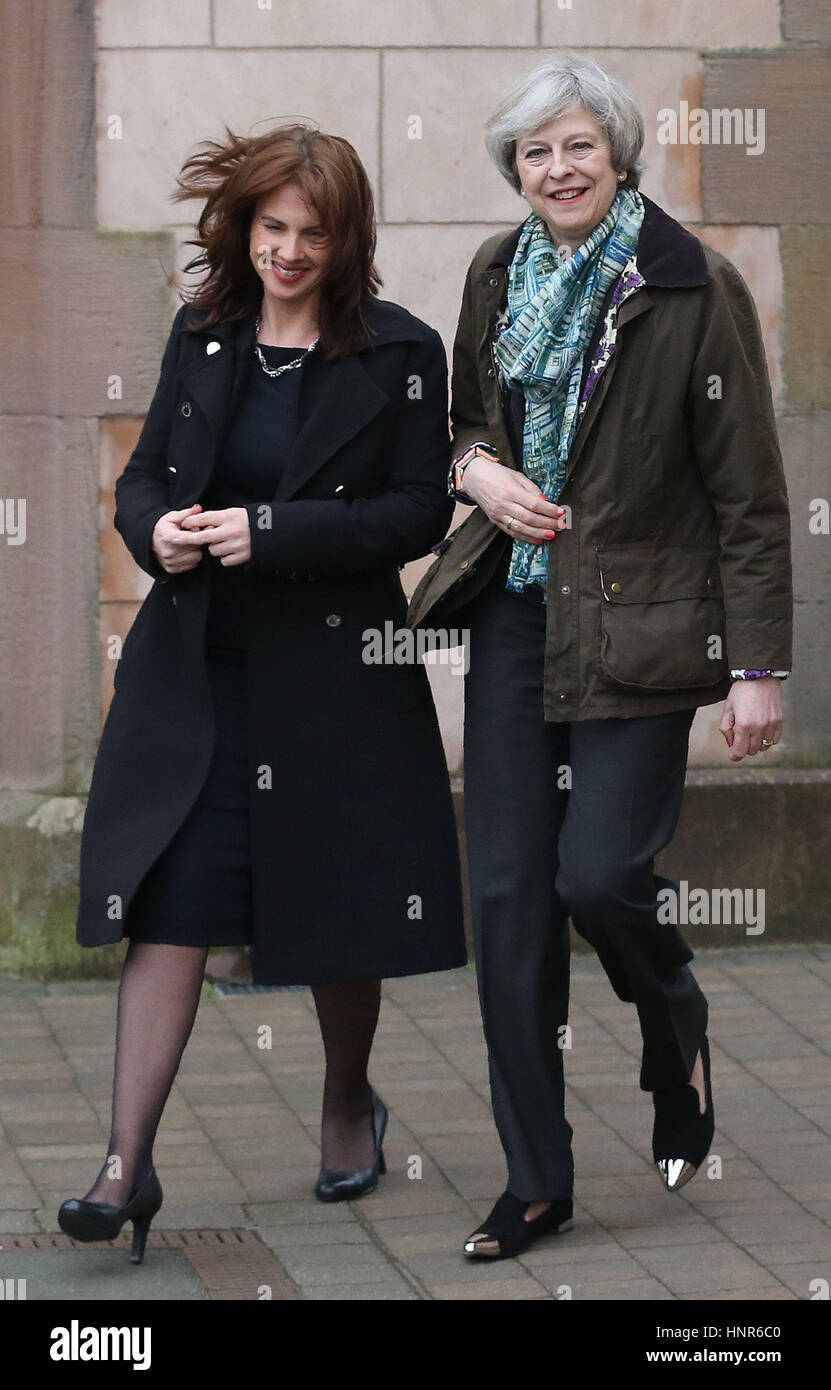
column 565, row 589
column 711, row 583
column 494, row 281
column 213, row 347
column 333, row 620
column 561, row 697
column 491, row 372
column 463, row 564
column 185, row 409
column 617, row 588
column 174, row 598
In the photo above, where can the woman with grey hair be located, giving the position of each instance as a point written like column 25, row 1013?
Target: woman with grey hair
column 627, row 560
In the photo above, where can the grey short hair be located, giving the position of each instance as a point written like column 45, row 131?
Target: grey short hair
column 555, row 87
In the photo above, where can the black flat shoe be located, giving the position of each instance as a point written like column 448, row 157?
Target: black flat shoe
column 334, row 1186
column 506, row 1232
column 681, row 1136
column 102, row 1221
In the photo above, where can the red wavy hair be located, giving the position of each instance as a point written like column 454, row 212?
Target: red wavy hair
column 231, row 176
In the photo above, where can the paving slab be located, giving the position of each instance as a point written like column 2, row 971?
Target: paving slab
column 238, row 1150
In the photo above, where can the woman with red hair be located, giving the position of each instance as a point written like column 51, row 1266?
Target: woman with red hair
column 260, row 781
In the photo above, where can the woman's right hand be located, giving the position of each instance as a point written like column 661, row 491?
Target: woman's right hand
column 175, row 549
column 506, row 495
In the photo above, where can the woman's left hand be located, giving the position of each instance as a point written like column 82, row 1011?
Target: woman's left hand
column 226, row 533
column 752, row 717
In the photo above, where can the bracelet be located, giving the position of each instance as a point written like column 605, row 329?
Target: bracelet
column 460, row 463
column 742, row 674
column 487, row 449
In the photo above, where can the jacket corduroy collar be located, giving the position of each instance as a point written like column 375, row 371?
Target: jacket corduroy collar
column 669, row 256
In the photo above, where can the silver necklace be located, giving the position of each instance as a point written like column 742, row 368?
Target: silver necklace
column 288, row 366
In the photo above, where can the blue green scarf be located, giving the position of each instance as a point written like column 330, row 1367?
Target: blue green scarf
column 553, row 307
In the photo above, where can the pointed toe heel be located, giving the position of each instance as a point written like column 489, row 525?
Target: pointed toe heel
column 681, row 1135
column 334, row 1186
column 89, row 1221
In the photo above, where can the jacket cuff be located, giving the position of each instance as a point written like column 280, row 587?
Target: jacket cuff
column 140, row 544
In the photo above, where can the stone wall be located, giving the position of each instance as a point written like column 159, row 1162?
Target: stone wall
column 101, row 105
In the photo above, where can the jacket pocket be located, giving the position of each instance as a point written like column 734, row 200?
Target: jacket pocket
column 661, row 616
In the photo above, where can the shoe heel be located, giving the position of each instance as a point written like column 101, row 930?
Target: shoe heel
column 382, row 1162
column 141, row 1226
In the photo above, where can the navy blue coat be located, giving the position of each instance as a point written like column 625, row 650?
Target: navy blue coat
column 355, row 867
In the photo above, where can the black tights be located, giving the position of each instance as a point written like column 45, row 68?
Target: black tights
column 157, row 1001
column 348, row 1013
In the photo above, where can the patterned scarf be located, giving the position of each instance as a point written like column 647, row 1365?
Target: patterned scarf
column 553, row 306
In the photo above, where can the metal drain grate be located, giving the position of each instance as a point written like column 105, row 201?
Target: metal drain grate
column 226, row 987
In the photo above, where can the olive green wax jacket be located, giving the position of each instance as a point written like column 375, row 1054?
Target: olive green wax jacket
column 675, row 565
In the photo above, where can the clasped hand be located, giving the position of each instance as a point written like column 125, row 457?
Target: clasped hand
column 512, row 501
column 179, row 537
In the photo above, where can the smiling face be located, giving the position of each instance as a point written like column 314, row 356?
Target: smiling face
column 289, row 248
column 566, row 172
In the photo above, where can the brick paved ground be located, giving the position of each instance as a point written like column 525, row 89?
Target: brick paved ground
column 237, row 1153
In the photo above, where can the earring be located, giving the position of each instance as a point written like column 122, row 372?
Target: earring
column 522, row 193
column 620, row 178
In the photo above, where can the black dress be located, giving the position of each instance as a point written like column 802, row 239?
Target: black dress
column 198, row 892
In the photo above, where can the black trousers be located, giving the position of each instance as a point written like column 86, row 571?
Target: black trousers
column 540, row 851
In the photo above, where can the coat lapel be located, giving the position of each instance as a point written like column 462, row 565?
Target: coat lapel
column 341, row 399
column 213, row 380
column 638, row 303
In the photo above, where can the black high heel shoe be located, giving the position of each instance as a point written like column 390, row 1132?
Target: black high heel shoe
column 681, row 1136
column 335, row 1186
column 507, row 1229
column 102, row 1221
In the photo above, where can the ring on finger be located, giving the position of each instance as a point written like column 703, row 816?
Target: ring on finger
column 510, row 521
